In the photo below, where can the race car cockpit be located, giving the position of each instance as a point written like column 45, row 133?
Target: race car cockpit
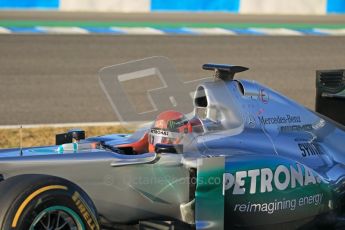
column 165, row 134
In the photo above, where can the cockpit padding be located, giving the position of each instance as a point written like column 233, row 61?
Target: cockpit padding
column 138, row 147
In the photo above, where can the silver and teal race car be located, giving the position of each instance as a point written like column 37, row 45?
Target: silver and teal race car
column 259, row 160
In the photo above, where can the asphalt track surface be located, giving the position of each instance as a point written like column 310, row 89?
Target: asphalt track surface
column 53, row 78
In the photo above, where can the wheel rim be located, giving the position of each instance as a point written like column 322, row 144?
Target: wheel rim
column 57, row 218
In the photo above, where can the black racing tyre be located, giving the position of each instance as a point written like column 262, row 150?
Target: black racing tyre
column 39, row 202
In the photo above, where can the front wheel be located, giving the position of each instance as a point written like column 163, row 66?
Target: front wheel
column 57, row 217
column 40, row 202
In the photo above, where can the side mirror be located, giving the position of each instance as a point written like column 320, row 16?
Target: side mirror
column 70, row 136
column 166, row 148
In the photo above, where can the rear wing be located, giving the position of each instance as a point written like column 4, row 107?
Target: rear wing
column 330, row 94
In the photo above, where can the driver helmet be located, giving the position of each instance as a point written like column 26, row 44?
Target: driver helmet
column 168, row 128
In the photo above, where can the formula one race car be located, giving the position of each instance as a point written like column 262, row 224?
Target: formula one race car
column 247, row 157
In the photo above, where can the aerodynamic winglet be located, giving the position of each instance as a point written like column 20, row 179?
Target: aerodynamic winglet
column 223, row 71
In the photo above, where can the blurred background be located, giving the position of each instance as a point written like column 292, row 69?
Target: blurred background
column 51, row 50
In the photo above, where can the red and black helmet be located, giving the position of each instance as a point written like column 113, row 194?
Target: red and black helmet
column 168, row 128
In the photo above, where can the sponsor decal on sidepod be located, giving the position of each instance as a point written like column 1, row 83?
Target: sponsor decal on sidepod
column 281, row 178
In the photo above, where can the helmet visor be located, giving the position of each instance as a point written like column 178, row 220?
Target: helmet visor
column 175, row 125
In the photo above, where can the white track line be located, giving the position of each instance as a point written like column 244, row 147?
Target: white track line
column 63, row 30
column 4, row 30
column 139, row 30
column 210, row 31
column 277, row 31
column 334, row 32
